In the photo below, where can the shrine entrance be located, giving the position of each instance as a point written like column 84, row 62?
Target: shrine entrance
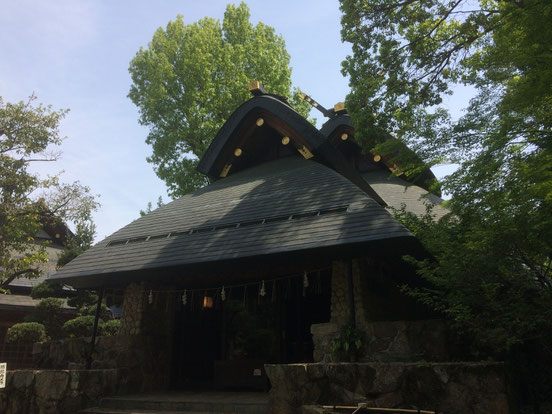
column 223, row 337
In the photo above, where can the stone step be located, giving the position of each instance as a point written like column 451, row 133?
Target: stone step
column 186, row 402
column 98, row 410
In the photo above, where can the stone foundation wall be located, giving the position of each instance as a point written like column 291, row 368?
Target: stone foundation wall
column 58, row 391
column 453, row 388
column 146, row 358
column 134, row 304
column 389, row 341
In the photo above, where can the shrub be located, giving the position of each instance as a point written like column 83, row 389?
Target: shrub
column 81, row 326
column 111, row 327
column 348, row 345
column 27, row 333
column 47, row 289
column 48, row 313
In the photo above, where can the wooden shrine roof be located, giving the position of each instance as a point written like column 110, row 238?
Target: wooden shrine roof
column 290, row 204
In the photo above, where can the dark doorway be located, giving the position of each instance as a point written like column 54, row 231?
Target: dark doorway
column 257, row 323
column 196, row 347
column 302, row 307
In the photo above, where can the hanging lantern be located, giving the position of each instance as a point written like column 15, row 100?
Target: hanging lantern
column 150, row 297
column 184, row 298
column 207, row 302
column 262, row 290
column 223, row 294
column 305, row 280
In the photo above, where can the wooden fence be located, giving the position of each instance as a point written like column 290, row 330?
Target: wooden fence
column 17, row 356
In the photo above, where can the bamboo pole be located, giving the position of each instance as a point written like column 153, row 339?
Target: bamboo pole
column 376, row 409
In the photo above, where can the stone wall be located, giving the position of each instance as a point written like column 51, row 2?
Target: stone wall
column 58, row 391
column 453, row 388
column 145, row 358
column 134, row 308
column 389, row 341
column 340, row 293
column 381, row 311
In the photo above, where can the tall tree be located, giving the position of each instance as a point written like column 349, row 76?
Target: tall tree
column 191, row 77
column 28, row 135
column 494, row 250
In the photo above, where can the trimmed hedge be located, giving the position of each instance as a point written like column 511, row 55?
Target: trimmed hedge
column 27, row 333
column 111, row 327
column 82, row 326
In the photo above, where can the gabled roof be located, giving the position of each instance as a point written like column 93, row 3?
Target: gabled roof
column 281, row 117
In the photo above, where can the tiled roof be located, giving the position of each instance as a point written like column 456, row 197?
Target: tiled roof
column 22, row 302
column 395, row 191
column 290, row 204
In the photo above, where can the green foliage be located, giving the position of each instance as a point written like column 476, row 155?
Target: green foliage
column 149, row 208
column 79, row 242
column 47, row 289
column 492, row 274
column 487, row 278
column 84, row 299
column 26, row 333
column 349, row 344
column 48, row 313
column 191, row 77
column 111, row 327
column 27, row 134
column 80, row 326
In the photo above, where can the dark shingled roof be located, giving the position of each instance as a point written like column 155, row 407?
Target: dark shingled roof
column 396, row 192
column 290, row 204
column 22, row 302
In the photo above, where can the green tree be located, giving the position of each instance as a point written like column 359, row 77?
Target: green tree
column 78, row 242
column 190, row 78
column 48, row 313
column 29, row 135
column 149, row 208
column 492, row 274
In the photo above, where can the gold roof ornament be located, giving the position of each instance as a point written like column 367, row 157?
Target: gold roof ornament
column 340, row 106
column 256, row 88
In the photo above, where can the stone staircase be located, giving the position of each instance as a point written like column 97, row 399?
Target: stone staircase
column 202, row 402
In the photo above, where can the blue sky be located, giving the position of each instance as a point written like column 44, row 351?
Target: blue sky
column 75, row 54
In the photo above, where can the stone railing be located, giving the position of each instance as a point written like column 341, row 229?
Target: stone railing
column 58, row 391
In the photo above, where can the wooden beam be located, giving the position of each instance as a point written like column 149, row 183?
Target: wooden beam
column 324, row 111
column 304, row 151
column 225, row 170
